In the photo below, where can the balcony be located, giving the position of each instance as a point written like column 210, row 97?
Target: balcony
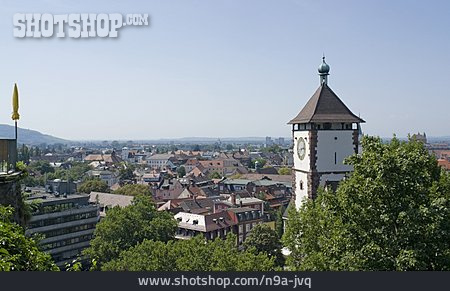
column 8, row 156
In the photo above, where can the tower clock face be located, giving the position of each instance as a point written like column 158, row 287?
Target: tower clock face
column 301, row 148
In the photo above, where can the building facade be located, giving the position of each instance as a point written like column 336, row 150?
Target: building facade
column 325, row 132
column 67, row 223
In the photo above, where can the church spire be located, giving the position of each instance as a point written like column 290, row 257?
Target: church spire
column 324, row 69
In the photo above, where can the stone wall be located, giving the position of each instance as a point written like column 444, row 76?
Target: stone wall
column 10, row 195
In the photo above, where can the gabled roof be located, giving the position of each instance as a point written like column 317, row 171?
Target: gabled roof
column 112, row 200
column 325, row 106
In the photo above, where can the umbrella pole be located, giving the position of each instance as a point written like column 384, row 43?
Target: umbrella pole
column 15, row 121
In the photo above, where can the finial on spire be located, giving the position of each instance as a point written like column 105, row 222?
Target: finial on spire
column 324, row 70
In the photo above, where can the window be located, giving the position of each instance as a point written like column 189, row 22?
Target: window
column 327, row 125
column 301, row 185
column 335, row 158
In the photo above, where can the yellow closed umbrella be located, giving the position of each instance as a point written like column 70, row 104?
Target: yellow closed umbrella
column 15, row 115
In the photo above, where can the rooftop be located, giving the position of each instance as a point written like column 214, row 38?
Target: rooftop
column 111, row 200
column 325, row 106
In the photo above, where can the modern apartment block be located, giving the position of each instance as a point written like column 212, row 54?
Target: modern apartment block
column 67, row 223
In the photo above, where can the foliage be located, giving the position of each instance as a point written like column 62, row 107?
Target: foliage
column 392, row 213
column 260, row 161
column 134, row 190
column 93, row 185
column 42, row 167
column 126, row 172
column 21, row 166
column 190, row 255
column 18, row 252
column 263, row 239
column 235, row 176
column 261, row 195
column 284, row 171
column 75, row 266
column 272, row 149
column 279, row 221
column 77, row 171
column 181, row 171
column 29, row 208
column 43, row 171
column 215, row 175
column 123, row 228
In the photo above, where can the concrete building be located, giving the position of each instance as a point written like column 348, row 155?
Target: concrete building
column 160, row 161
column 61, row 186
column 279, row 141
column 67, row 223
column 269, row 142
column 107, row 176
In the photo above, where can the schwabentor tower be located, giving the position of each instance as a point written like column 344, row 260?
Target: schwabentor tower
column 325, row 132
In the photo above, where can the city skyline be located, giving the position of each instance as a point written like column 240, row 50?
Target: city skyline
column 229, row 69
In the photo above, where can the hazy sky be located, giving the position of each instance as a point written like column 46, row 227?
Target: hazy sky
column 230, row 68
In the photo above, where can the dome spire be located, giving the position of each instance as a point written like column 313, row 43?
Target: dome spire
column 324, row 70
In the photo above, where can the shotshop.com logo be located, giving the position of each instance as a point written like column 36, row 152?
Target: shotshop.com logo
column 83, row 25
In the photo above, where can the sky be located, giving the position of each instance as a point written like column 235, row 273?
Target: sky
column 229, row 68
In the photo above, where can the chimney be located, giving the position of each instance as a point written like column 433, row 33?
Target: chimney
column 233, row 198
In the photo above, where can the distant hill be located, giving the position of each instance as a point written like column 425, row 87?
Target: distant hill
column 28, row 136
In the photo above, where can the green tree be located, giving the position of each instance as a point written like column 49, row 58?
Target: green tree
column 134, row 190
column 94, row 185
column 123, row 228
column 42, row 167
column 391, row 213
column 126, row 172
column 18, row 252
column 263, row 239
column 272, row 149
column 24, row 154
column 181, row 171
column 260, row 161
column 215, row 175
column 190, row 255
column 284, row 171
column 279, row 221
column 78, row 170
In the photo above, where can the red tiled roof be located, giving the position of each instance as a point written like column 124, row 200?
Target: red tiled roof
column 444, row 164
